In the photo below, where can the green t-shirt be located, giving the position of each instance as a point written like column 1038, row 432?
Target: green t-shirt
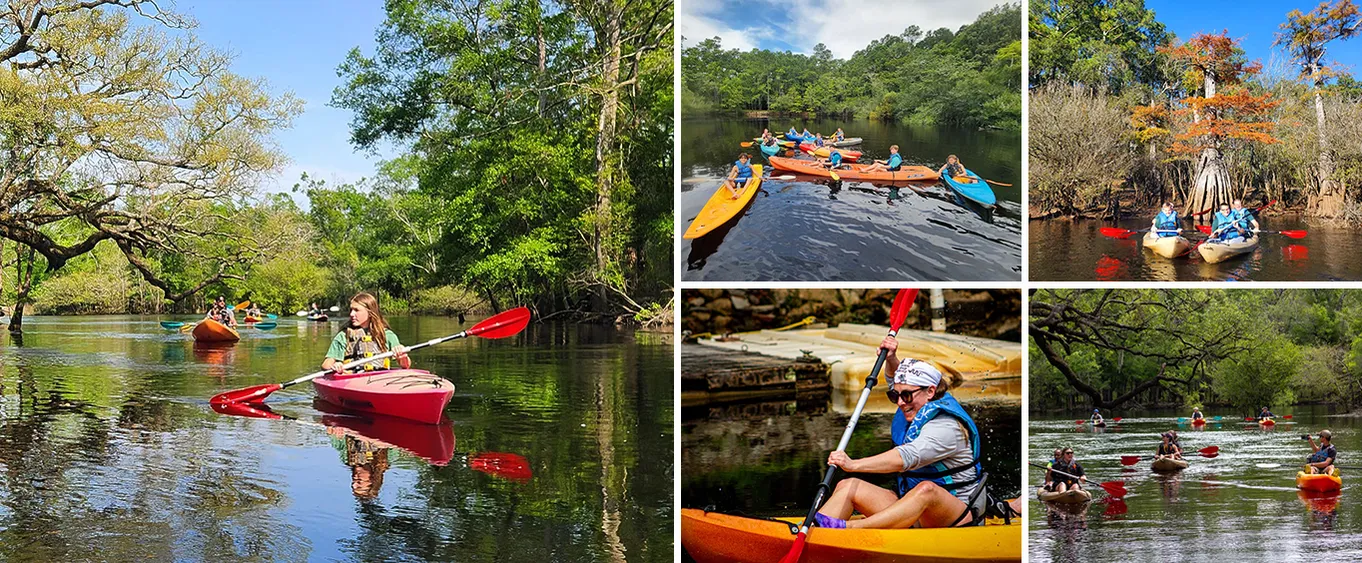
column 340, row 342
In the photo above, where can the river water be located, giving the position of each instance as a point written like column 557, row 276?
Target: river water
column 109, row 451
column 1065, row 250
column 814, row 229
column 1221, row 509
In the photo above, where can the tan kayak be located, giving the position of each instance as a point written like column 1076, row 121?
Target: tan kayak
column 1214, row 252
column 1167, row 247
column 1168, row 464
column 1072, row 496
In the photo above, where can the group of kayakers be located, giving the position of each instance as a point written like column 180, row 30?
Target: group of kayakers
column 937, row 459
column 1231, row 221
column 742, row 169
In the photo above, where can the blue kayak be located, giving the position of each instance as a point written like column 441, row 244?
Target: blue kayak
column 770, row 150
column 976, row 191
column 795, row 138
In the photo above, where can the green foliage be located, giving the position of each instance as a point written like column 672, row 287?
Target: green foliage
column 967, row 78
column 1106, row 45
column 1260, row 375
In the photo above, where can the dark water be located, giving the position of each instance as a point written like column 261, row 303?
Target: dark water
column 1064, row 250
column 108, row 450
column 767, row 459
column 1221, row 509
column 814, row 229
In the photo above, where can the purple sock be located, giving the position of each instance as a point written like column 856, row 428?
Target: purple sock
column 828, row 521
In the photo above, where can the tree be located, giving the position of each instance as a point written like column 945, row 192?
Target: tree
column 1304, row 36
column 119, row 133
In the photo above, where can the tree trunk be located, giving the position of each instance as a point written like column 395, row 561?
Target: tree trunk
column 606, row 160
column 23, row 283
column 1330, row 200
column 543, row 66
column 1213, row 178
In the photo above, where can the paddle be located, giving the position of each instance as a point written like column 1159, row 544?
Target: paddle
column 301, row 313
column 1289, row 234
column 1116, row 489
column 903, row 302
column 1209, row 451
column 997, row 183
column 1115, row 232
column 501, row 325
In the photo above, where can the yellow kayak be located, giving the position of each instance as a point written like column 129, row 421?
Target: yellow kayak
column 713, row 537
column 723, row 206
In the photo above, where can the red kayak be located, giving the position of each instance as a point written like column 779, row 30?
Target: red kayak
column 405, row 393
column 432, row 442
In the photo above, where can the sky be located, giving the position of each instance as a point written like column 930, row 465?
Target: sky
column 845, row 26
column 1254, row 23
column 295, row 46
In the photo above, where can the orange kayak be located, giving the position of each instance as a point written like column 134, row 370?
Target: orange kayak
column 723, row 206
column 822, row 152
column 209, row 330
column 713, row 537
column 856, row 171
column 1319, row 482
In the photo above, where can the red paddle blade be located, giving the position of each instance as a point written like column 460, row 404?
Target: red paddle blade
column 903, row 302
column 507, row 466
column 1117, row 419
column 1212, row 454
column 1203, row 212
column 1204, row 229
column 247, row 395
column 502, row 325
column 1264, row 206
column 1114, row 488
column 795, row 550
column 1286, row 416
column 1079, row 421
column 1293, row 234
column 1114, row 232
column 242, row 409
column 1130, row 459
column 1210, row 450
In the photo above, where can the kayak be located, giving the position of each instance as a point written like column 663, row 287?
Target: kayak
column 319, row 318
column 1167, row 247
column 253, row 319
column 1198, row 422
column 432, row 442
column 1100, row 424
column 823, row 152
column 723, row 206
column 1213, row 252
column 1167, row 464
column 1267, row 422
column 1072, row 496
column 855, row 171
column 405, row 393
column 209, row 330
column 710, row 537
column 794, row 138
column 1319, row 482
column 974, row 190
column 847, row 142
column 779, row 141
column 770, row 150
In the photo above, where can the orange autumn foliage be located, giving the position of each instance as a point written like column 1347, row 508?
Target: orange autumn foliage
column 1233, row 113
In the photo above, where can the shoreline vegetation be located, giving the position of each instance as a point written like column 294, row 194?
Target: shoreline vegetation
column 134, row 158
column 969, row 78
column 1124, row 115
column 1137, row 348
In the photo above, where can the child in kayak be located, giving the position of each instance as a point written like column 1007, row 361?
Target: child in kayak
column 1166, row 222
column 955, row 170
column 1096, row 417
column 839, row 136
column 892, row 165
column 792, row 132
column 1066, row 464
column 833, row 161
column 359, row 339
column 220, row 313
column 1169, row 447
column 818, row 141
column 1226, row 225
column 1049, row 481
column 1243, row 218
column 739, row 175
column 941, row 482
column 1322, row 461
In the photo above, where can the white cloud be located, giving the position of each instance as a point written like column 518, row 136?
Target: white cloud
column 847, row 26
column 696, row 27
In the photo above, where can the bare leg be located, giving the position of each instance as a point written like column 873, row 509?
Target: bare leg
column 853, row 494
column 933, row 506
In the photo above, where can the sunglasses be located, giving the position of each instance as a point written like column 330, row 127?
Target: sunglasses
column 894, row 395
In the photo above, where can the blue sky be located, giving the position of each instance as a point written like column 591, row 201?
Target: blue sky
column 845, row 26
column 295, row 46
column 1254, row 23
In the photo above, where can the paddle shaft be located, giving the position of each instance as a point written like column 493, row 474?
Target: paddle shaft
column 371, row 359
column 1053, row 470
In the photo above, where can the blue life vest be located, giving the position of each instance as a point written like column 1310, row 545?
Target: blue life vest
column 835, row 158
column 807, row 134
column 744, row 170
column 1243, row 218
column 1323, row 454
column 939, row 473
column 1168, row 222
column 1224, row 224
column 793, row 133
column 895, row 161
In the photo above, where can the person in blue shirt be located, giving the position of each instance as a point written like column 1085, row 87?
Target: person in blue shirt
column 818, row 140
column 893, row 164
column 1243, row 218
column 739, row 175
column 792, row 132
column 1165, row 224
column 807, row 134
column 833, row 161
column 1223, row 224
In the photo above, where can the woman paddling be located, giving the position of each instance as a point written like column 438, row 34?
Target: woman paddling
column 1060, row 483
column 360, row 338
column 937, row 458
column 220, row 313
column 1168, row 448
column 1322, row 461
column 1165, row 224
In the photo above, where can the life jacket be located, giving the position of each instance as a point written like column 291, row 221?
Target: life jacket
column 904, row 432
column 359, row 344
column 744, row 169
column 895, row 161
column 1198, row 416
column 1167, row 222
column 220, row 315
column 1242, row 218
column 1323, row 454
column 955, row 169
column 1171, row 449
column 1070, row 468
column 841, row 136
column 835, row 158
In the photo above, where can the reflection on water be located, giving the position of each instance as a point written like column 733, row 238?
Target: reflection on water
column 108, row 446
column 1240, row 505
column 812, row 228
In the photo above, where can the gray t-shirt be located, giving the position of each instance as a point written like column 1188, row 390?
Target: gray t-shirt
column 943, row 439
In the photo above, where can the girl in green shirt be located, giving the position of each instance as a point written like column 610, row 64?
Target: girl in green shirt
column 358, row 341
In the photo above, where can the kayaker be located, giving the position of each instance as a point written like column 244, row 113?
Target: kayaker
column 254, row 312
column 892, row 165
column 792, row 132
column 739, row 175
column 357, row 340
column 833, row 161
column 1322, row 460
column 1196, row 414
column 937, row 458
column 315, row 311
column 953, row 168
column 220, row 313
column 1058, row 454
column 1265, row 414
column 1165, row 224
column 1226, row 225
column 818, row 141
column 1243, row 218
column 1169, row 447
column 839, row 136
column 1096, row 417
column 1061, row 483
column 807, row 134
